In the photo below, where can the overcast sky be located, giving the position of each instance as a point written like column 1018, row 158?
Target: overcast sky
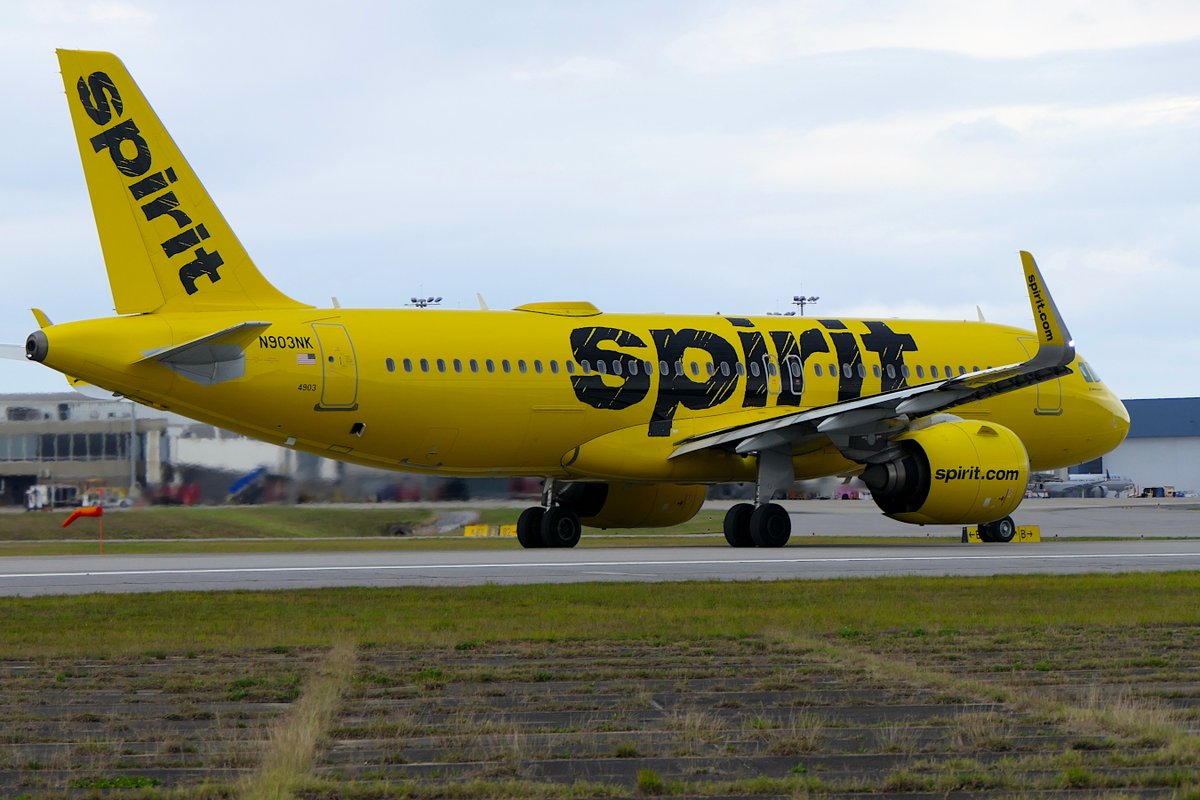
column 890, row 157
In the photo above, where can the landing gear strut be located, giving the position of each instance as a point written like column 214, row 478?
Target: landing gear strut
column 764, row 524
column 548, row 525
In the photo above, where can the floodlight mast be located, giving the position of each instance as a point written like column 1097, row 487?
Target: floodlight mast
column 802, row 301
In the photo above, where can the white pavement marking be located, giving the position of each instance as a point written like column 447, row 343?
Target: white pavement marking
column 588, row 564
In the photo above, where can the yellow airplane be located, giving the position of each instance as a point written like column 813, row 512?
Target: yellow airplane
column 627, row 417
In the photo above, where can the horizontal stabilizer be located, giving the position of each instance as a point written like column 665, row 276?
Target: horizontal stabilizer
column 15, row 352
column 215, row 358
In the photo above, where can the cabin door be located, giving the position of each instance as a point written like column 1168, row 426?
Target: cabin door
column 339, row 368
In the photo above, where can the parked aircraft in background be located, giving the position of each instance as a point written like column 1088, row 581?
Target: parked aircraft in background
column 627, row 417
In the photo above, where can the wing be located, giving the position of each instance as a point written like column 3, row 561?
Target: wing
column 893, row 412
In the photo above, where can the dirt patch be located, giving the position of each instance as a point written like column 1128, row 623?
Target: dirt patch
column 1069, row 711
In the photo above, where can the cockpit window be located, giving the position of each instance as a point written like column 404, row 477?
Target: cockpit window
column 1088, row 373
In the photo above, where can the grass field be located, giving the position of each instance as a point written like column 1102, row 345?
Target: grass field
column 1007, row 686
column 258, row 529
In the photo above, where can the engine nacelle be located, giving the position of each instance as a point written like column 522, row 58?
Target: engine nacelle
column 952, row 473
column 633, row 505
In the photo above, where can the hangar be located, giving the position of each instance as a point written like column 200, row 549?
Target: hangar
column 1163, row 445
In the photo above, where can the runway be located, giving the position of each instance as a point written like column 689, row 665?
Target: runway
column 150, row 573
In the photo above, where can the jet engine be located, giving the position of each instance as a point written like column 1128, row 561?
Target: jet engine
column 952, row 473
column 632, row 505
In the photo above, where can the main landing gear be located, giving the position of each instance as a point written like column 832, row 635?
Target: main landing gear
column 767, row 525
column 548, row 526
column 763, row 524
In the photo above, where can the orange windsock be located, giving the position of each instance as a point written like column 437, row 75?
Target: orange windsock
column 86, row 511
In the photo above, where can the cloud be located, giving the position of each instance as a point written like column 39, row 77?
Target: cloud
column 976, row 149
column 573, row 68
column 764, row 32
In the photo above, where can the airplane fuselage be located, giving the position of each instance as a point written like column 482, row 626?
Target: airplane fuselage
column 563, row 391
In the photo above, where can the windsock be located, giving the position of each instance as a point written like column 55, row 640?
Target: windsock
column 85, row 511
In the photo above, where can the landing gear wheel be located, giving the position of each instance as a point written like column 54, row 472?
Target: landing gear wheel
column 1003, row 530
column 737, row 525
column 770, row 525
column 529, row 527
column 560, row 527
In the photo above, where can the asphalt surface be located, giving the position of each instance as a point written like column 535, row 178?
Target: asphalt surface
column 83, row 574
column 1064, row 524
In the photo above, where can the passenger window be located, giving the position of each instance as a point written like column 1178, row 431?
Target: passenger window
column 504, row 365
column 771, row 368
column 441, row 365
column 725, row 368
column 974, row 369
column 491, row 365
column 754, row 370
column 920, row 371
column 904, row 370
column 633, row 367
column 695, row 368
column 662, row 368
column 710, row 368
column 962, row 370
column 833, row 370
column 390, row 364
column 862, row 370
column 846, row 370
column 601, row 366
column 649, row 367
column 521, row 366
column 474, row 365
column 457, row 365
column 740, row 369
column 554, row 366
column 570, row 365
column 408, row 365
column 424, row 365
column 817, row 370
column 891, row 371
column 875, row 370
column 949, row 371
column 679, row 369
column 933, row 372
column 537, row 366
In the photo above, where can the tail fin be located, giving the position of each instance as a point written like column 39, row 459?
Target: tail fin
column 165, row 244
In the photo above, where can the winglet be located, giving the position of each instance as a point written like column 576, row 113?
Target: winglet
column 1052, row 331
column 43, row 321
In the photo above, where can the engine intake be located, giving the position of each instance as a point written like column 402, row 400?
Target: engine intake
column 952, row 473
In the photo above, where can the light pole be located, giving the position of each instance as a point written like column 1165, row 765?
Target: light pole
column 424, row 302
column 802, row 301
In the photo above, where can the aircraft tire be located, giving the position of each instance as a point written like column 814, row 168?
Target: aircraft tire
column 1003, row 530
column 529, row 527
column 560, row 527
column 770, row 525
column 737, row 525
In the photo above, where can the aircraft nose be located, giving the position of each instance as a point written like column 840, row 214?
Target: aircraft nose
column 1118, row 416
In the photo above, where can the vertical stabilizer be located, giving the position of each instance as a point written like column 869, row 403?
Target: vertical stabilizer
column 165, row 243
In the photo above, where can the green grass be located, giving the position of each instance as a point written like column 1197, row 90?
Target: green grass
column 204, row 522
column 101, row 625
